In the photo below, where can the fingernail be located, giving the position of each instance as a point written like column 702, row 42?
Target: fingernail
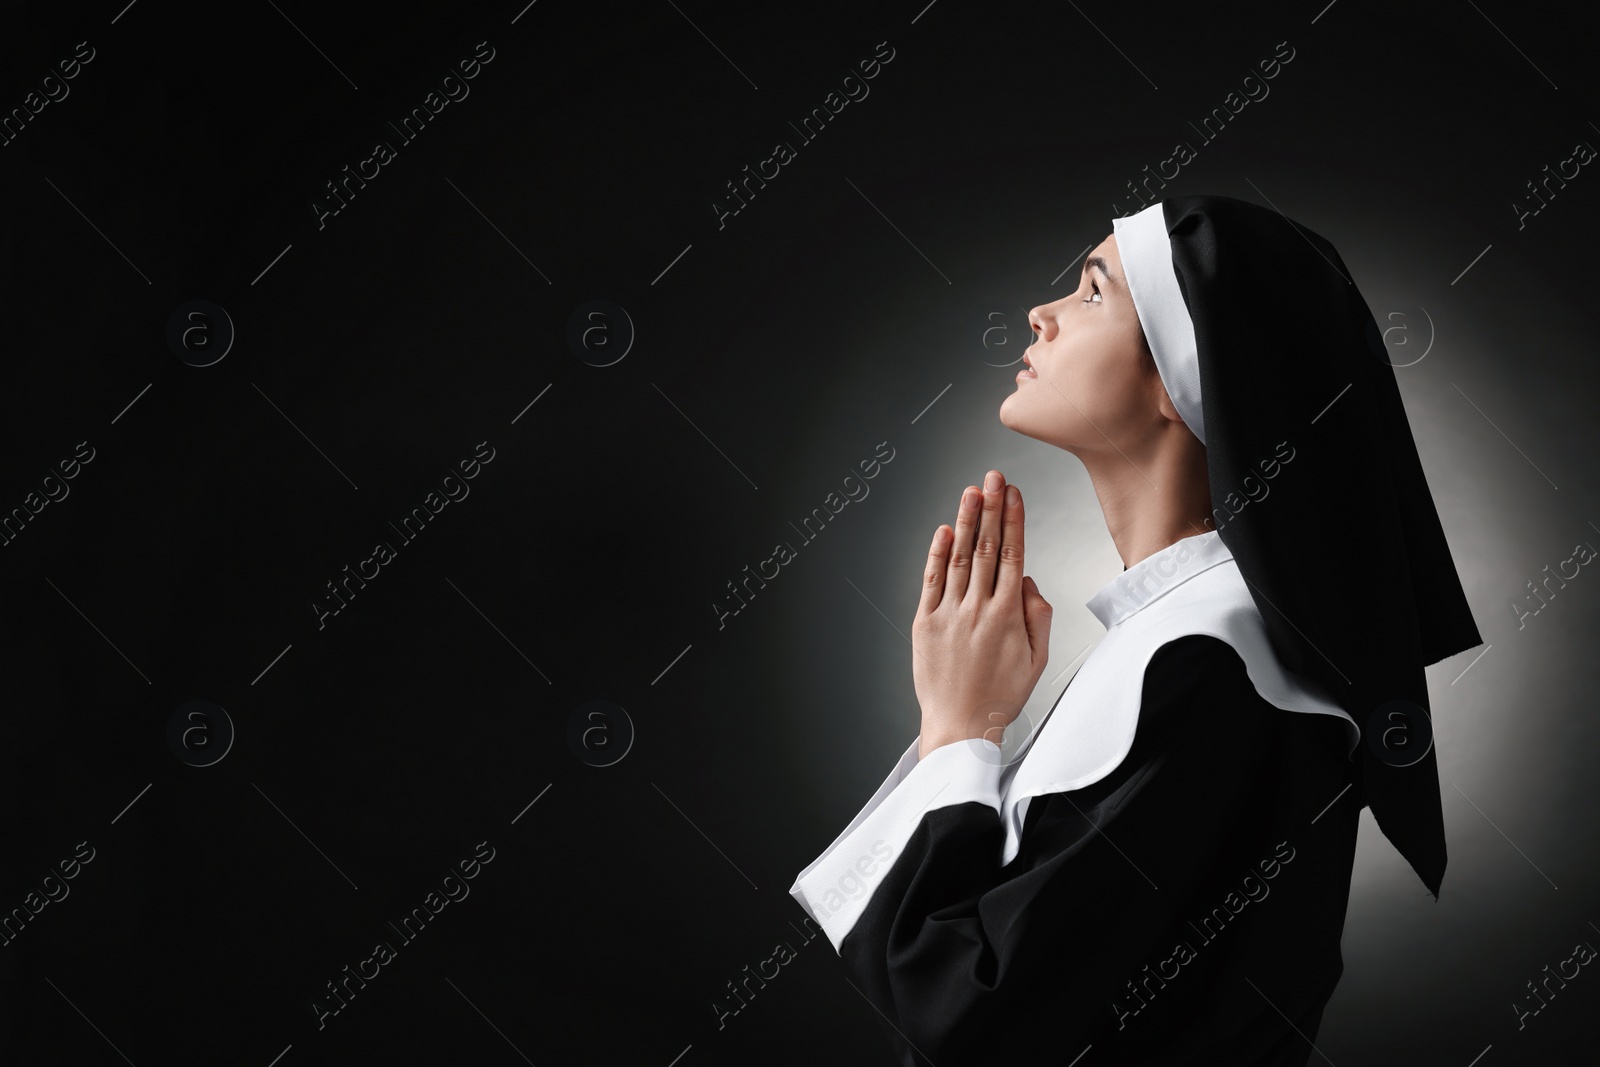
column 1013, row 498
column 991, row 482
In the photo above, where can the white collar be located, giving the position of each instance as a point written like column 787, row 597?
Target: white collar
column 1193, row 586
column 1156, row 575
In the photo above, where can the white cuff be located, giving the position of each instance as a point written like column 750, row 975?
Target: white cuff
column 835, row 888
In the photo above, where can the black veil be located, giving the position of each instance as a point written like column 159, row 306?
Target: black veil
column 1340, row 545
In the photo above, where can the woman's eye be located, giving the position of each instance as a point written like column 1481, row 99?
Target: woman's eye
column 1095, row 298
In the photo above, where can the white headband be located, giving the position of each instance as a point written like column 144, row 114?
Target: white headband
column 1147, row 265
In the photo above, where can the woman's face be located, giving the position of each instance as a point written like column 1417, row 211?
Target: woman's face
column 1094, row 376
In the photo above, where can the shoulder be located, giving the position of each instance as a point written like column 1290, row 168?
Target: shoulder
column 1187, row 665
column 1201, row 729
column 1192, row 686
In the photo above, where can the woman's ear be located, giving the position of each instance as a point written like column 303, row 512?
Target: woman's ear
column 1168, row 409
column 1164, row 403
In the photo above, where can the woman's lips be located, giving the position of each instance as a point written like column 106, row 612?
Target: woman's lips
column 1026, row 373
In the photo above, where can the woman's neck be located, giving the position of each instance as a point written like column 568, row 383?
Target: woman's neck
column 1154, row 499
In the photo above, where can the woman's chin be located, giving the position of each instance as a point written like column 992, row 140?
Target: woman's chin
column 1009, row 419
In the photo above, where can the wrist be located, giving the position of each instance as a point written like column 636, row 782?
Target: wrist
column 927, row 742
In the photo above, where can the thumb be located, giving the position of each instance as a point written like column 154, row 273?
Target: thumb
column 1036, row 613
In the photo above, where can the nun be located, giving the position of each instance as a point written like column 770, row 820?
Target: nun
column 1157, row 872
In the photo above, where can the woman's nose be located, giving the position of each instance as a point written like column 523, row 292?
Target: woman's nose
column 1037, row 322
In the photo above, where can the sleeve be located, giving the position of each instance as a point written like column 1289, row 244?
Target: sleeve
column 837, row 885
column 971, row 962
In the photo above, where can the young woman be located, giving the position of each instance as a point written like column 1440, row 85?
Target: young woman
column 1158, row 874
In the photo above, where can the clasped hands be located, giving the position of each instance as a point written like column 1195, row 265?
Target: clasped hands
column 981, row 636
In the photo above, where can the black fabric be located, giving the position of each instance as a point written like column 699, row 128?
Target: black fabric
column 975, row 963
column 1342, row 549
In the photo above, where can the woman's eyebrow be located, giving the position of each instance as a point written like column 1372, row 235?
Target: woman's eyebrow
column 1099, row 264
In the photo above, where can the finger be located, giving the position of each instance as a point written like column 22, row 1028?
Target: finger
column 956, row 579
column 933, row 574
column 987, row 549
column 1037, row 614
column 1008, row 583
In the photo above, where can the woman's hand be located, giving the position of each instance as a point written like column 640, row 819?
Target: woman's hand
column 981, row 637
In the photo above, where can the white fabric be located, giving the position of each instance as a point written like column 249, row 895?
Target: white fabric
column 835, row 888
column 1192, row 586
column 1146, row 253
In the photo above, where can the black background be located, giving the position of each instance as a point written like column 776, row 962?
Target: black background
column 855, row 300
